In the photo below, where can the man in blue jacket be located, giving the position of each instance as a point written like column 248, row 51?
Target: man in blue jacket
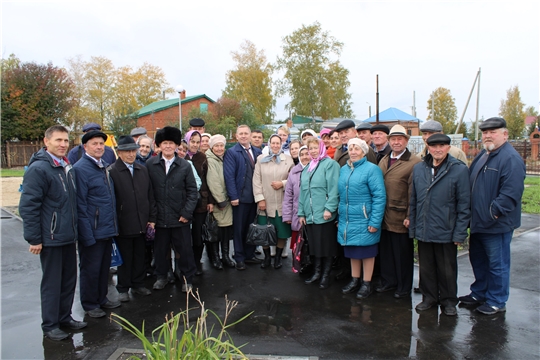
column 48, row 208
column 78, row 151
column 238, row 165
column 496, row 176
column 96, row 209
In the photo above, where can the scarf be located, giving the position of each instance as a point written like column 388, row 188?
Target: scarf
column 270, row 155
column 285, row 145
column 188, row 136
column 322, row 155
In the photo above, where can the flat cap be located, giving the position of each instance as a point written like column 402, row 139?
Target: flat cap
column 431, row 126
column 90, row 127
column 363, row 126
column 126, row 142
column 492, row 123
column 344, row 125
column 196, row 122
column 138, row 131
column 437, row 139
column 92, row 134
column 380, row 127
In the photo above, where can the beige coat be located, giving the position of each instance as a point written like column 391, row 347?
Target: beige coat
column 263, row 176
column 398, row 183
column 216, row 185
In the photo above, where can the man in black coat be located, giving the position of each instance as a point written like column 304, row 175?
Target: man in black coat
column 135, row 209
column 176, row 195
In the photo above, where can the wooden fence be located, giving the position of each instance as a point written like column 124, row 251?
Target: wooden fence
column 18, row 153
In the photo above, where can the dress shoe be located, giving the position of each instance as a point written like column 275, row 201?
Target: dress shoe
column 186, row 287
column 160, row 284
column 352, row 286
column 253, row 260
column 385, row 288
column 111, row 304
column 449, row 310
column 402, row 295
column 141, row 291
column 96, row 313
column 425, row 305
column 365, row 290
column 56, row 334
column 240, row 265
column 74, row 324
column 123, row 297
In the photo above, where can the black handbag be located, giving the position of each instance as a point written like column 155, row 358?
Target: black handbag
column 301, row 258
column 210, row 229
column 261, row 235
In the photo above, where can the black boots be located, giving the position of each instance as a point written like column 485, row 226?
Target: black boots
column 225, row 258
column 277, row 258
column 352, row 286
column 267, row 259
column 213, row 248
column 365, row 290
column 317, row 272
column 325, row 279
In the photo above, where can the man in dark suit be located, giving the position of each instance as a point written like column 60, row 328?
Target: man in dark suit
column 238, row 166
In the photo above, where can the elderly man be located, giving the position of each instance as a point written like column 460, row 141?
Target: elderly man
column 396, row 247
column 197, row 124
column 379, row 136
column 346, row 130
column 434, row 127
column 439, row 218
column 51, row 229
column 78, row 151
column 135, row 209
column 363, row 132
column 97, row 224
column 137, row 132
column 496, row 177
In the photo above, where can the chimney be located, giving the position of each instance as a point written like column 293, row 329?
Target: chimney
column 183, row 94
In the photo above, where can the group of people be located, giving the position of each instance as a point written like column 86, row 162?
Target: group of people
column 360, row 207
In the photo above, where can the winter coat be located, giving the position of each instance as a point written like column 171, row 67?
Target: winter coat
column 319, row 192
column 48, row 204
column 454, row 151
column 78, row 151
column 201, row 165
column 343, row 156
column 440, row 207
column 362, row 199
column 135, row 204
column 143, row 159
column 238, row 172
column 175, row 192
column 216, row 185
column 497, row 192
column 379, row 155
column 398, row 183
column 291, row 197
column 263, row 176
column 96, row 205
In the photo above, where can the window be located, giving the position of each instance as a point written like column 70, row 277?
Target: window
column 203, row 107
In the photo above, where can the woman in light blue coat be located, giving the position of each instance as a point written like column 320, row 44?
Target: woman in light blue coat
column 362, row 199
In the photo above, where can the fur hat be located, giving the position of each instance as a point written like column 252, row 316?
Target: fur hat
column 168, row 133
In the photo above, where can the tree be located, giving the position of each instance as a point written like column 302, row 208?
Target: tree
column 34, row 97
column 100, row 81
column 444, row 110
column 512, row 111
column 250, row 83
column 314, row 78
column 531, row 111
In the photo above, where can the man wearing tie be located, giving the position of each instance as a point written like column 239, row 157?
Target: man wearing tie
column 238, row 166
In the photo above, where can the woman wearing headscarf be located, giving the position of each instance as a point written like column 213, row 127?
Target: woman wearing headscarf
column 222, row 207
column 362, row 200
column 269, row 181
column 205, row 203
column 325, row 137
column 317, row 209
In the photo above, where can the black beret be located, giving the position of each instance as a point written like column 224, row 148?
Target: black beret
column 168, row 133
column 492, row 123
column 92, row 134
column 196, row 122
column 380, row 127
column 344, row 125
column 363, row 126
column 437, row 139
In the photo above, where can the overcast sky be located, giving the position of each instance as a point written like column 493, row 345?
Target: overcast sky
column 412, row 46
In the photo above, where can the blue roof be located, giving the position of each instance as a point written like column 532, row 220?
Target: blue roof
column 392, row 114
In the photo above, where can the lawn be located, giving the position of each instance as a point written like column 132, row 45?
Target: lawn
column 18, row 172
column 531, row 195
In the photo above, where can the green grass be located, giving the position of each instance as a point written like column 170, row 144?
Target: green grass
column 531, row 195
column 12, row 172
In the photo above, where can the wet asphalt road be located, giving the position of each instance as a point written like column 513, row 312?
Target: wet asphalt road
column 289, row 318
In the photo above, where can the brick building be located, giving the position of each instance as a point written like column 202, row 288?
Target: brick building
column 165, row 112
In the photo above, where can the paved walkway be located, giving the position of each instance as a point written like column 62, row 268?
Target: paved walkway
column 289, row 318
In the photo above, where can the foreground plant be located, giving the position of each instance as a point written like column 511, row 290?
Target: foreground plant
column 194, row 342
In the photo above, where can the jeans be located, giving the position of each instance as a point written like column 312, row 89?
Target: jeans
column 490, row 259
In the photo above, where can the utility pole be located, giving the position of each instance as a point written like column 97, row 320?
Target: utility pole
column 377, row 101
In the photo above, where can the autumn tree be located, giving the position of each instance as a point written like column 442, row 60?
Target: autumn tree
column 250, row 82
column 313, row 77
column 34, row 97
column 444, row 110
column 512, row 111
column 531, row 111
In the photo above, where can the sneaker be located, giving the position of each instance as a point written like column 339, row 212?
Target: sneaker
column 123, row 297
column 469, row 300
column 160, row 284
column 489, row 309
column 111, row 304
column 141, row 291
column 96, row 313
column 449, row 310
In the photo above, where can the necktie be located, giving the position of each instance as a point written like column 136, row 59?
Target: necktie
column 250, row 157
column 130, row 167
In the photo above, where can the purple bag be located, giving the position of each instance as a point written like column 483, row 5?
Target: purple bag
column 150, row 233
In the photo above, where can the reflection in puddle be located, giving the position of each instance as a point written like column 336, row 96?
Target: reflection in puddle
column 271, row 317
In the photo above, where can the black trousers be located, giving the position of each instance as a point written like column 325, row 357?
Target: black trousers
column 180, row 239
column 132, row 272
column 397, row 260
column 243, row 215
column 438, row 271
column 196, row 235
column 95, row 261
column 59, row 267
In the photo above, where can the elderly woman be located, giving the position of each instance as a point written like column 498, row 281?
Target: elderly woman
column 145, row 149
column 362, row 199
column 317, row 209
column 269, row 180
column 222, row 208
column 292, row 194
